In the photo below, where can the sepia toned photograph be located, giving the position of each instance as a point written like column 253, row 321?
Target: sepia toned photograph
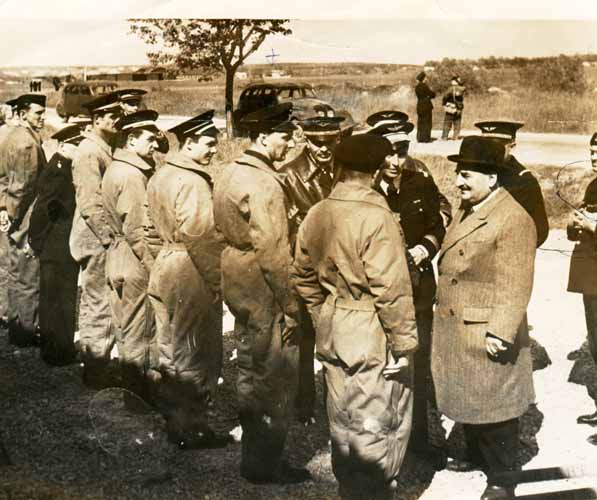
column 274, row 251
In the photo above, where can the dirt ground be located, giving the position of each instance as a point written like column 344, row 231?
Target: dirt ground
column 67, row 442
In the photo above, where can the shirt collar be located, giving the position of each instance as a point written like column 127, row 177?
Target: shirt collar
column 131, row 158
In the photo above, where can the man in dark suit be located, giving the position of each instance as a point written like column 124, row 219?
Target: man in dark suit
column 481, row 356
column 424, row 108
column 518, row 181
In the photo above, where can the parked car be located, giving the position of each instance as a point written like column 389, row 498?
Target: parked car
column 74, row 95
column 262, row 95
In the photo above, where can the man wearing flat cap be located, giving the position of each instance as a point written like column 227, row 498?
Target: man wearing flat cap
column 309, row 179
column 517, row 180
column 582, row 229
column 413, row 195
column 22, row 160
column 185, row 283
column 128, row 260
column 51, row 222
column 91, row 236
column 481, row 359
column 453, row 103
column 424, row 108
column 350, row 268
column 251, row 210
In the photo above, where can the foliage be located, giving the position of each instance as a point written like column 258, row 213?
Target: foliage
column 475, row 78
column 562, row 73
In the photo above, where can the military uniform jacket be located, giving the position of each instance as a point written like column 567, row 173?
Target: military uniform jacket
column 583, row 263
column 458, row 100
column 526, row 190
column 52, row 215
column 306, row 184
column 22, row 160
column 90, row 233
column 485, row 270
column 424, row 95
column 123, row 196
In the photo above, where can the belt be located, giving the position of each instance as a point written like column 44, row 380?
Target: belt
column 366, row 304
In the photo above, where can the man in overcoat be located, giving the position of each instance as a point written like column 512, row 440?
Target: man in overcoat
column 412, row 194
column 424, row 108
column 351, row 270
column 128, row 259
column 517, row 180
column 309, row 179
column 583, row 263
column 251, row 211
column 481, row 359
column 22, row 160
column 90, row 238
column 51, row 222
column 184, row 283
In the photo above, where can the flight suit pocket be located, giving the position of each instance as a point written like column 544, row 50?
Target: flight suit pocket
column 476, row 314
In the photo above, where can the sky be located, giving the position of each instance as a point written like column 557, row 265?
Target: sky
column 69, row 32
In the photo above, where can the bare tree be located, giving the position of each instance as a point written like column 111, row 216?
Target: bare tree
column 207, row 44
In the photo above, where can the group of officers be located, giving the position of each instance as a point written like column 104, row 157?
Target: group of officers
column 329, row 252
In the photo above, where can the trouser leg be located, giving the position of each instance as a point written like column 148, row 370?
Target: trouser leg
column 306, row 394
column 448, row 119
column 4, row 265
column 422, row 378
column 590, row 303
column 457, row 122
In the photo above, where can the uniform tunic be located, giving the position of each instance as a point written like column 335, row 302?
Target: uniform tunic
column 250, row 210
column 128, row 259
column 184, row 289
column 351, row 270
column 21, row 161
column 89, row 238
column 485, row 272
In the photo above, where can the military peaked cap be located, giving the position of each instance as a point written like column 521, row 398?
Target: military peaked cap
column 593, row 141
column 27, row 99
column 105, row 103
column 272, row 119
column 322, row 125
column 138, row 120
column 499, row 129
column 393, row 125
column 480, row 152
column 325, row 109
column 131, row 94
column 71, row 134
column 383, row 117
column 363, row 153
column 201, row 124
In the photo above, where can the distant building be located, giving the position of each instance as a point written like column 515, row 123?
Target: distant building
column 277, row 74
column 242, row 75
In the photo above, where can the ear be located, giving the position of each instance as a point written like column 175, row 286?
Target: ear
column 493, row 178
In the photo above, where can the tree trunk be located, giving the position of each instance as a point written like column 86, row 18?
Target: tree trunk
column 229, row 101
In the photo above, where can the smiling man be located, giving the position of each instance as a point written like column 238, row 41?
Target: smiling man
column 22, row 160
column 481, row 359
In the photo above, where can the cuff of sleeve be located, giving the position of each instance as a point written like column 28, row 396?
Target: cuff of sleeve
column 429, row 246
column 404, row 346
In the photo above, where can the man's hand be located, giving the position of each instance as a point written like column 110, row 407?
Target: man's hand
column 581, row 221
column 4, row 221
column 28, row 251
column 396, row 367
column 418, row 254
column 494, row 346
column 289, row 330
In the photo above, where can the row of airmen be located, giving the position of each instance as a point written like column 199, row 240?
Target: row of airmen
column 158, row 249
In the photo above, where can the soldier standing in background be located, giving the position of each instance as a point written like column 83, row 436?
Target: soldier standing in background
column 453, row 102
column 22, row 159
column 90, row 238
column 49, row 231
column 188, row 311
column 309, row 179
column 424, row 108
column 251, row 210
column 128, row 260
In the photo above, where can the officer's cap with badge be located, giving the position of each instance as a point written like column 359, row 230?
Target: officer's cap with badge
column 197, row 126
column 25, row 100
column 73, row 134
column 268, row 120
column 393, row 125
column 140, row 120
column 106, row 103
column 363, row 152
column 499, row 129
column 131, row 94
column 593, row 142
column 321, row 126
column 481, row 154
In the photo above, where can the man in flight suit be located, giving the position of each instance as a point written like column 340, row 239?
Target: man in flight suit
column 22, row 160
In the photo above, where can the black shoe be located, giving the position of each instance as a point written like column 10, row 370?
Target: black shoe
column 574, row 355
column 199, row 440
column 98, row 376
column 284, row 474
column 429, row 454
column 590, row 419
column 494, row 492
column 457, row 465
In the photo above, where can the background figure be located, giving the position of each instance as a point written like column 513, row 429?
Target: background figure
column 351, row 270
column 453, row 102
column 424, row 108
column 481, row 356
column 309, row 179
column 188, row 311
column 49, row 232
column 250, row 209
column 22, row 159
column 583, row 263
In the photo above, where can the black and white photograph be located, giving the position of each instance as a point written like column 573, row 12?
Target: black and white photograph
column 309, row 251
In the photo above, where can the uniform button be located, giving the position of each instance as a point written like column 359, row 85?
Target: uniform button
column 461, row 252
column 451, row 312
column 454, row 281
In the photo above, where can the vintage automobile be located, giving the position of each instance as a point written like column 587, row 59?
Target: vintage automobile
column 262, row 95
column 74, row 95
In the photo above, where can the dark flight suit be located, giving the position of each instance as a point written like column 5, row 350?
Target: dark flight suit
column 49, row 231
column 22, row 159
column 250, row 210
column 424, row 111
column 306, row 185
column 414, row 197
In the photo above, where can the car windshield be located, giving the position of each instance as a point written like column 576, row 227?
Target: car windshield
column 295, row 93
